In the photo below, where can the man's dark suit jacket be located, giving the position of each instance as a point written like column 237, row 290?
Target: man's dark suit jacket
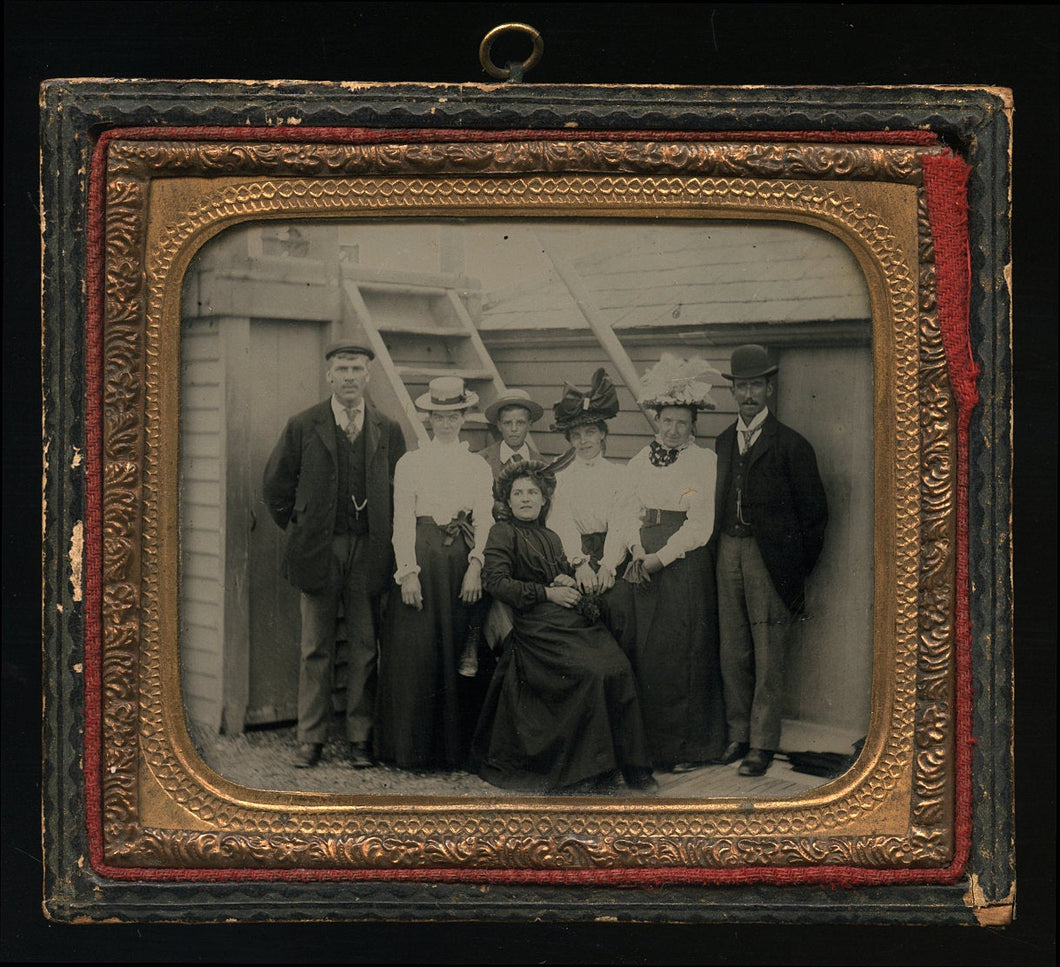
column 301, row 490
column 783, row 501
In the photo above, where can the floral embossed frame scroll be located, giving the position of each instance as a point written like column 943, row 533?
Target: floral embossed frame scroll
column 900, row 818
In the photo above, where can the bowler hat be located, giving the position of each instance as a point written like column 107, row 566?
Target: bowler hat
column 750, row 362
column 514, row 397
column 345, row 346
column 446, row 393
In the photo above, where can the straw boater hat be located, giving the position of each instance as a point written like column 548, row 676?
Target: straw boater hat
column 447, row 393
column 750, row 362
column 345, row 346
column 514, row 397
column 679, row 382
column 579, row 407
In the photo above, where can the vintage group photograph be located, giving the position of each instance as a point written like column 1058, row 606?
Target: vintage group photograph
column 576, row 499
column 474, row 507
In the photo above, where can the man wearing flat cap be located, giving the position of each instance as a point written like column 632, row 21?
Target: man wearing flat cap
column 770, row 516
column 329, row 484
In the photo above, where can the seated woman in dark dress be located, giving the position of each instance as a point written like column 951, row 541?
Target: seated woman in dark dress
column 562, row 713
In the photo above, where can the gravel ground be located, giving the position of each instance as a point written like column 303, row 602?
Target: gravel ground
column 262, row 759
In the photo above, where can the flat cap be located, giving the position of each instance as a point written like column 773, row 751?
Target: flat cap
column 345, row 346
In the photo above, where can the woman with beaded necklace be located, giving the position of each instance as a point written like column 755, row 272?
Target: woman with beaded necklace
column 664, row 610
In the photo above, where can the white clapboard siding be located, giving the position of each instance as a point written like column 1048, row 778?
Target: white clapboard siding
column 202, row 567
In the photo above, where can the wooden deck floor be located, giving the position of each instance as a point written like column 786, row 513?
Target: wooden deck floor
column 725, row 782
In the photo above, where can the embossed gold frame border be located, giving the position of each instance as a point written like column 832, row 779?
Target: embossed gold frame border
column 162, row 809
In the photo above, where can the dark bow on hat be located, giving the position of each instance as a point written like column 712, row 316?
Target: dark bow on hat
column 599, row 402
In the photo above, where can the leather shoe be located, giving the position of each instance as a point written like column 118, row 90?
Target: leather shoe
column 641, row 780
column 358, row 755
column 648, row 787
column 308, row 755
column 682, row 767
column 756, row 762
column 733, row 751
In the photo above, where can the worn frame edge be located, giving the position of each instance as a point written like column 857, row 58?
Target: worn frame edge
column 986, row 105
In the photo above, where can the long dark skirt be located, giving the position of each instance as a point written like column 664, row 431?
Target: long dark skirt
column 669, row 629
column 562, row 707
column 418, row 719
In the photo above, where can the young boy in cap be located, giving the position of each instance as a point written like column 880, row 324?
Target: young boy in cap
column 512, row 413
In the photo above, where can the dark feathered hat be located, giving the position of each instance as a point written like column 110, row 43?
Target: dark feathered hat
column 578, row 407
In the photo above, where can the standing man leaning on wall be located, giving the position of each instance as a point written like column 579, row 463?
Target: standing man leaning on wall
column 770, row 513
column 329, row 484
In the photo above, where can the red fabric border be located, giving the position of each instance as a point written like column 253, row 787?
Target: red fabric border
column 945, row 180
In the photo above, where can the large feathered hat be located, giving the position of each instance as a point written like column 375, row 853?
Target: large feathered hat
column 673, row 381
column 578, row 407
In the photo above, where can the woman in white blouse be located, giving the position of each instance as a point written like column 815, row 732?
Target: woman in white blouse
column 442, row 515
column 584, row 511
column 664, row 611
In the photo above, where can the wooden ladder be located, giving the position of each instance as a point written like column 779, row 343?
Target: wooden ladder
column 419, row 327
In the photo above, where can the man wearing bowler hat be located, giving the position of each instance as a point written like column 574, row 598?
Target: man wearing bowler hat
column 770, row 516
column 329, row 484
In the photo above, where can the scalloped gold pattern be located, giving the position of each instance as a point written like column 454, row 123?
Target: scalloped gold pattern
column 123, row 427
column 385, row 834
column 935, row 723
column 719, row 160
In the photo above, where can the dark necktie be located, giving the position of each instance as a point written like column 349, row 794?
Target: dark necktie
column 748, row 435
column 515, row 458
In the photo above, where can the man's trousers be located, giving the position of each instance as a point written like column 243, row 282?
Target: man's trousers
column 754, row 624
column 316, row 680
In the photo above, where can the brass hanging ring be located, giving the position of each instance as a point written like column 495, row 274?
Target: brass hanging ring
column 504, row 73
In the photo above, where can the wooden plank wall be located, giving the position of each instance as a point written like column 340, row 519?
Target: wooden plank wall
column 202, row 571
column 688, row 272
column 826, row 394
